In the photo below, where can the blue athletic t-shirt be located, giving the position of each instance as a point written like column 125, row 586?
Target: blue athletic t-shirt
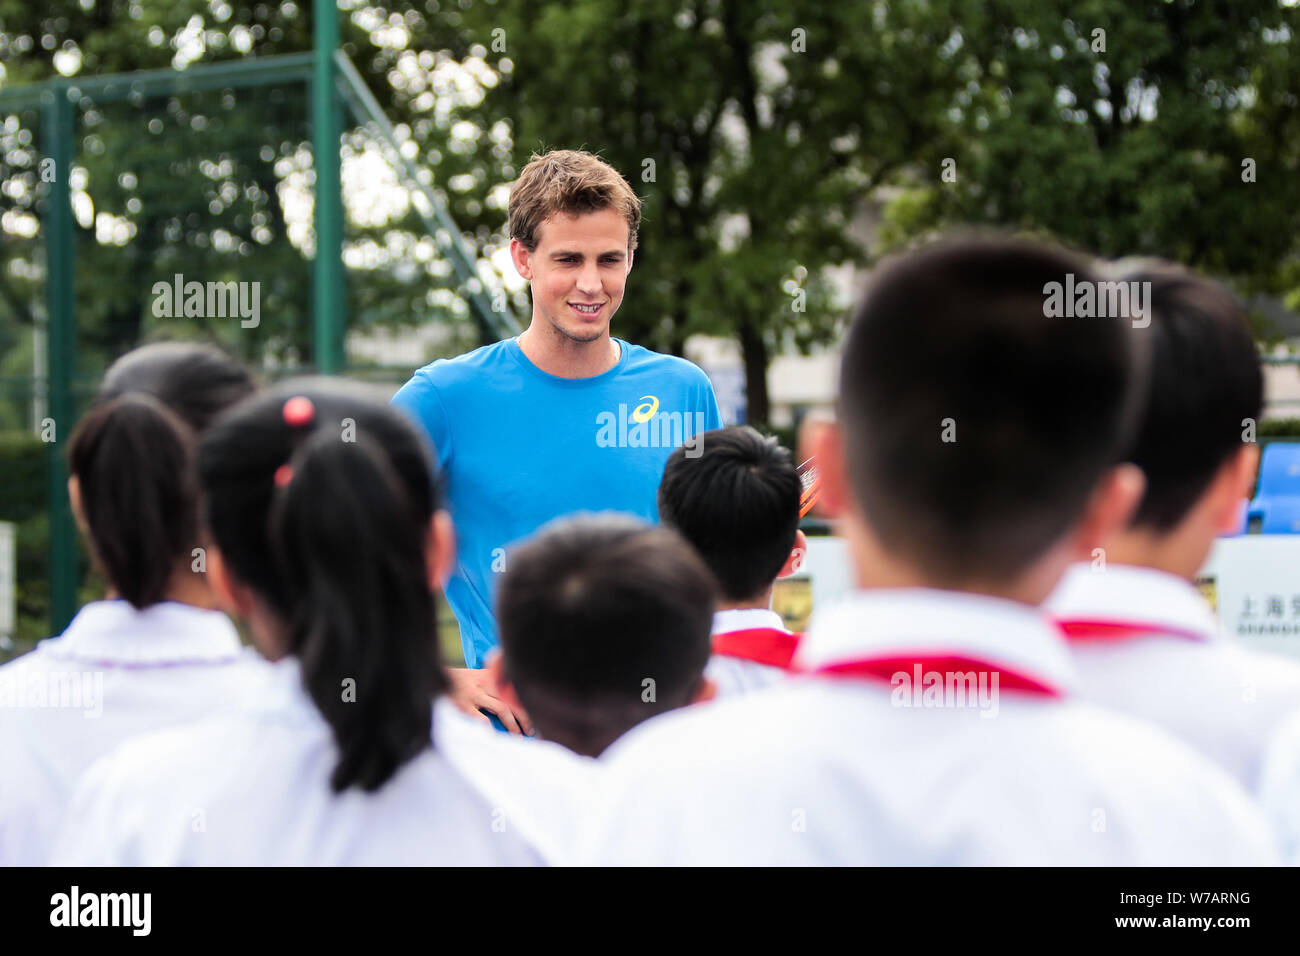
column 519, row 447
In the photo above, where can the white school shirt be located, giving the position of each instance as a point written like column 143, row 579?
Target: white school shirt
column 1280, row 787
column 538, row 788
column 115, row 673
column 853, row 770
column 1146, row 644
column 251, row 787
column 738, row 667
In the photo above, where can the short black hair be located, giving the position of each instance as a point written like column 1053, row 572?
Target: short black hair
column 196, row 380
column 605, row 622
column 737, row 503
column 976, row 424
column 1205, row 384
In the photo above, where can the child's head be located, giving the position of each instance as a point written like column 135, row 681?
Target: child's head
column 1205, row 389
column 979, row 433
column 321, row 504
column 604, row 622
column 131, row 465
column 195, row 380
column 737, row 504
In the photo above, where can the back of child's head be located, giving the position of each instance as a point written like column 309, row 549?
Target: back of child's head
column 605, row 622
column 133, row 462
column 977, row 419
column 737, row 504
column 196, row 380
column 319, row 499
column 1205, row 388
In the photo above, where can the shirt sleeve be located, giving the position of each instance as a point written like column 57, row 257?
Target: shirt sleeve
column 709, row 401
column 420, row 401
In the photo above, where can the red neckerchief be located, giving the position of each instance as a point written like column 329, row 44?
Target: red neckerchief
column 1079, row 630
column 762, row 645
column 884, row 668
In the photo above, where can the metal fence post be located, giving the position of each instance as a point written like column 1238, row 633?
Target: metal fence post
column 60, row 278
column 326, row 116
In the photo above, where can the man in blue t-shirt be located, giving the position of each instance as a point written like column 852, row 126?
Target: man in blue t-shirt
column 562, row 418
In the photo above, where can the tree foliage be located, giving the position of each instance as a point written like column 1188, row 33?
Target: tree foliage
column 761, row 136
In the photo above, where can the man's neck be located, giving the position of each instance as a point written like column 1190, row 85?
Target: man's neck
column 557, row 354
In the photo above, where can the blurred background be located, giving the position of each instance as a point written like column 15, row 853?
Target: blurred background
column 781, row 147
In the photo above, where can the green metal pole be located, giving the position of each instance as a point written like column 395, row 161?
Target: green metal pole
column 56, row 134
column 327, row 278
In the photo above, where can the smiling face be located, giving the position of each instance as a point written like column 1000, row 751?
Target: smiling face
column 578, row 272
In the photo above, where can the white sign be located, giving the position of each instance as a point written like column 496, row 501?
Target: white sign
column 1253, row 581
column 8, row 579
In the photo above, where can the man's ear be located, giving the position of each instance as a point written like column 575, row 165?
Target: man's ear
column 1235, row 482
column 797, row 554
column 522, row 259
column 1109, row 509
column 440, row 550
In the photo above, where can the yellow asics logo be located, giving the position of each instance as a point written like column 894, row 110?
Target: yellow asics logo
column 646, row 410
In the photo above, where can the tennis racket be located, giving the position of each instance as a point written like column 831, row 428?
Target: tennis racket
column 811, row 479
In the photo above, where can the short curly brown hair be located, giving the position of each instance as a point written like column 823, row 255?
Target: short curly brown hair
column 573, row 182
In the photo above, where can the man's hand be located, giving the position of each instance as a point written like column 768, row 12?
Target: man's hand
column 474, row 691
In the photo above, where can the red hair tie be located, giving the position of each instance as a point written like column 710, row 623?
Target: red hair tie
column 283, row 475
column 299, row 411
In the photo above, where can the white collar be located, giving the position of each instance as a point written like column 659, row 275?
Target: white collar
column 115, row 634
column 889, row 623
column 1138, row 596
column 746, row 619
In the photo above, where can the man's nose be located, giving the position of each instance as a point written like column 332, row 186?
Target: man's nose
column 589, row 279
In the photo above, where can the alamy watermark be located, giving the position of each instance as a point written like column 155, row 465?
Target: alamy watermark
column 54, row 690
column 645, row 426
column 1086, row 299
column 950, row 689
column 208, row 300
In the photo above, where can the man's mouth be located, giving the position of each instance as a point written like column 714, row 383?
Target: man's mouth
column 585, row 309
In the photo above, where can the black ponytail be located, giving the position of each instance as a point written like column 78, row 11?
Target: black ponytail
column 133, row 459
column 336, row 546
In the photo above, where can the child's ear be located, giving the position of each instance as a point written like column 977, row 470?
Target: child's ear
column 1237, row 480
column 440, row 550
column 797, row 555
column 1113, row 502
column 503, row 689
column 78, row 510
column 706, row 692
column 231, row 597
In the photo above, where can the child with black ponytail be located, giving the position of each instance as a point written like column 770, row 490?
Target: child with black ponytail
column 155, row 652
column 329, row 544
